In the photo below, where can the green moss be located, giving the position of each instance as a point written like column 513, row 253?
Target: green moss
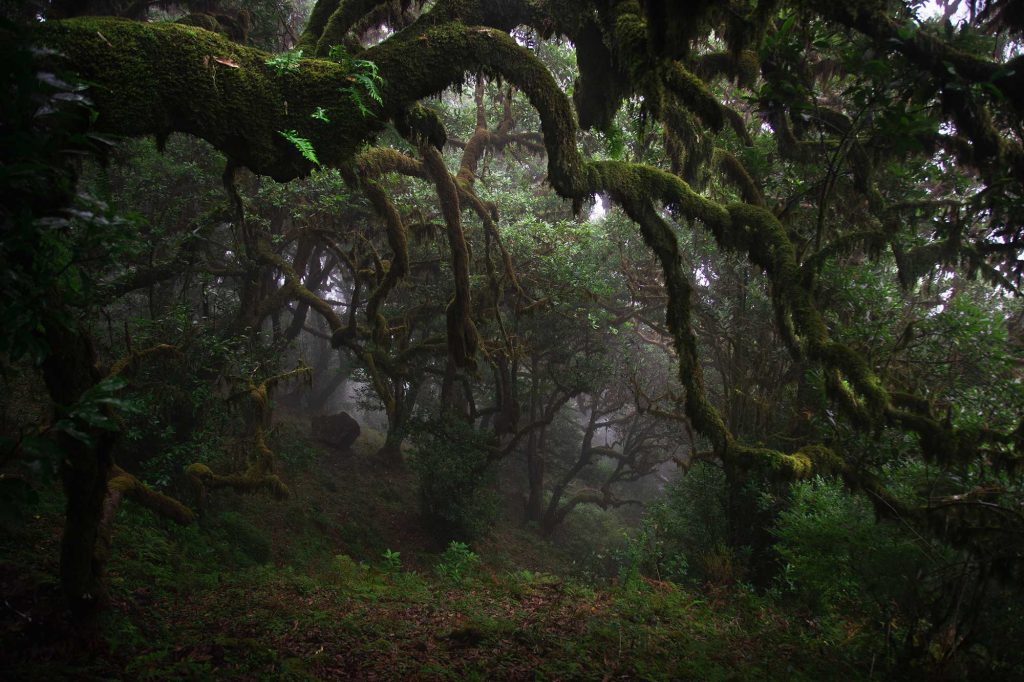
column 124, row 484
column 695, row 95
column 154, row 79
column 161, row 78
column 243, row 534
column 204, row 21
column 335, row 29
column 422, row 123
column 378, row 161
column 322, row 11
column 737, row 173
column 629, row 182
column 856, row 370
column 398, row 240
column 748, row 67
column 825, row 460
column 198, row 470
column 629, row 37
column 252, row 481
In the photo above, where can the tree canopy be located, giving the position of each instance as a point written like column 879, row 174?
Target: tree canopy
column 866, row 87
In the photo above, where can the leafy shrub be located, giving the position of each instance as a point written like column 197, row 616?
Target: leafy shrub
column 191, row 406
column 450, row 458
column 684, row 535
column 392, row 563
column 345, row 570
column 866, row 582
column 630, row 559
column 835, row 556
column 593, row 541
column 457, row 562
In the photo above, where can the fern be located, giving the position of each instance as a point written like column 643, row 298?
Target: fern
column 364, row 76
column 304, row 146
column 370, row 87
column 368, row 78
column 364, row 110
column 338, row 54
column 286, row 61
column 321, row 115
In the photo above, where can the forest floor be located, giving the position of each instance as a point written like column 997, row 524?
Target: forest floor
column 301, row 589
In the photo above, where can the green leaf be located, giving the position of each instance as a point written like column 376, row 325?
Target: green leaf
column 338, row 54
column 284, row 62
column 67, row 426
column 787, row 25
column 304, row 146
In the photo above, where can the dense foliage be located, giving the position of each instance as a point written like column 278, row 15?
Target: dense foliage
column 703, row 298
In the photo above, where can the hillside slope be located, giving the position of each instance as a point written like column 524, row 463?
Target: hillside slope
column 341, row 582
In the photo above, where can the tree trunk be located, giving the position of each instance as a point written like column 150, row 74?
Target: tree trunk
column 69, row 371
column 391, row 452
column 535, row 476
column 453, row 397
column 534, row 459
column 84, row 473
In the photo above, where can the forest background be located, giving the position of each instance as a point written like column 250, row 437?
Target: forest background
column 681, row 340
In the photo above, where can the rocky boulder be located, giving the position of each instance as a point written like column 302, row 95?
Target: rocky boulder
column 337, row 430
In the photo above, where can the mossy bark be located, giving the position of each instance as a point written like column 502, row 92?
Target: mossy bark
column 462, row 334
column 155, row 79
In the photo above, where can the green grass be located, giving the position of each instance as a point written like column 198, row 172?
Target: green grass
column 300, row 589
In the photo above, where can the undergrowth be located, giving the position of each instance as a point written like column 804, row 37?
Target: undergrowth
column 326, row 586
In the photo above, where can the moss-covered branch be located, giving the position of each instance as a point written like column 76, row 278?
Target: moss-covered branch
column 294, row 289
column 122, row 484
column 155, row 79
column 259, row 476
column 462, row 335
column 399, row 243
column 330, row 22
column 953, row 70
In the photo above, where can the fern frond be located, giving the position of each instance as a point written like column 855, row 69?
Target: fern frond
column 369, row 86
column 304, row 146
column 364, row 76
column 338, row 53
column 365, row 66
column 364, row 110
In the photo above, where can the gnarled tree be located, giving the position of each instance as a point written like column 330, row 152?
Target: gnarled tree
column 797, row 68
